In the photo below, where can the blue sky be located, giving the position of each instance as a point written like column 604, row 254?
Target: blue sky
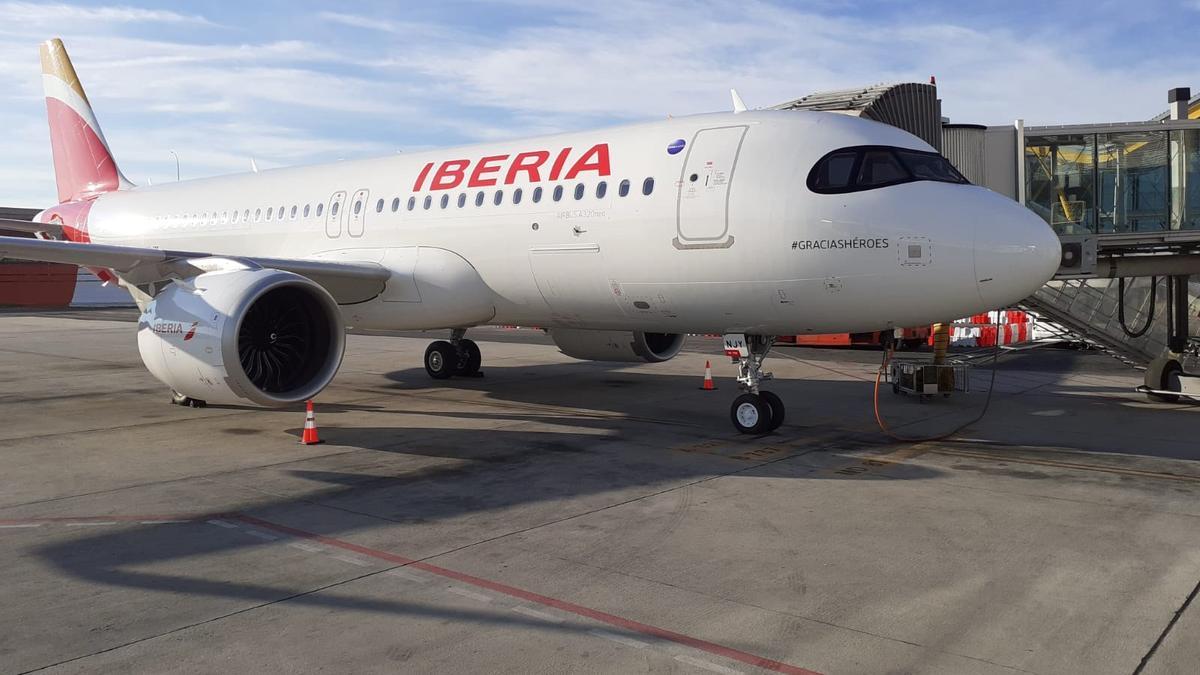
column 304, row 82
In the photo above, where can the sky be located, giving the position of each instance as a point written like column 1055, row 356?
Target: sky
column 296, row 82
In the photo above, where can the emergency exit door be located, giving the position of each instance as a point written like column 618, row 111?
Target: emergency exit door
column 703, row 212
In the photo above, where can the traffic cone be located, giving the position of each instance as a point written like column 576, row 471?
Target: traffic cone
column 708, row 381
column 310, row 427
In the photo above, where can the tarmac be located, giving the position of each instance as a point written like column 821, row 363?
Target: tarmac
column 564, row 516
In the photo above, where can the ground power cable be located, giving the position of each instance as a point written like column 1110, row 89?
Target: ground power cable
column 887, row 358
column 1149, row 314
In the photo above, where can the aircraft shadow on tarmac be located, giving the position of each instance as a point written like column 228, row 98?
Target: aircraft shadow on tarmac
column 487, row 469
column 582, row 436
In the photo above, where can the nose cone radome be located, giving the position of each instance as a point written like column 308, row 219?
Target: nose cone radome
column 1016, row 252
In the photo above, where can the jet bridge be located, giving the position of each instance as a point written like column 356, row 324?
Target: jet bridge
column 1125, row 201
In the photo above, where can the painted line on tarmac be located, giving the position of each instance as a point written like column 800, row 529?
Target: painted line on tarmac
column 403, row 574
column 261, row 535
column 92, row 523
column 353, row 561
column 619, row 639
column 306, row 547
column 536, row 614
column 536, row 598
column 469, row 594
column 707, row 665
column 222, row 523
column 15, row 526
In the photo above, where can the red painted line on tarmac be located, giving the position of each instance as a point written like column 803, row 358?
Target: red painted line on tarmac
column 529, row 596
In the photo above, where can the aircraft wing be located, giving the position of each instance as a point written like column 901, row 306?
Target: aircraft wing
column 347, row 282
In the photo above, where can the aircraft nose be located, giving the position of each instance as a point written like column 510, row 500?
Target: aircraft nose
column 1015, row 252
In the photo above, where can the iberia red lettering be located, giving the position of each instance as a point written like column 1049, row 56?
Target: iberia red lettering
column 558, row 163
column 485, row 165
column 421, row 177
column 529, row 163
column 595, row 159
column 450, row 174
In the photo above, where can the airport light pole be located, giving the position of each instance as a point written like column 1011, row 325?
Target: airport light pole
column 176, row 164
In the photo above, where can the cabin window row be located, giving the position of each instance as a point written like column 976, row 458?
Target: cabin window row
column 536, row 195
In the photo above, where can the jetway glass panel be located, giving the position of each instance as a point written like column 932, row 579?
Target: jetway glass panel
column 1184, row 163
column 1060, row 181
column 1133, row 180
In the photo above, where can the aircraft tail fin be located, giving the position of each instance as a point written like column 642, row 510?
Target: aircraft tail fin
column 83, row 164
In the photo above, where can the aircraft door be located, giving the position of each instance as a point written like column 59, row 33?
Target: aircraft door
column 334, row 214
column 703, row 201
column 358, row 213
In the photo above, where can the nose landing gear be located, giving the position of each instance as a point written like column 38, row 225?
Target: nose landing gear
column 458, row 356
column 756, row 411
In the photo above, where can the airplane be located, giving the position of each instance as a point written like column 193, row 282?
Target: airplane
column 619, row 242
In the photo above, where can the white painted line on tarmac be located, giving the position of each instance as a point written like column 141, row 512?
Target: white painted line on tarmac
column 260, row 535
column 95, row 523
column 162, row 522
column 470, row 594
column 352, row 561
column 627, row 641
column 405, row 574
column 13, row 527
column 306, row 547
column 707, row 665
column 222, row 523
column 537, row 615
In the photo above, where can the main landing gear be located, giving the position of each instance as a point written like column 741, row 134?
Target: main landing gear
column 458, row 356
column 756, row 411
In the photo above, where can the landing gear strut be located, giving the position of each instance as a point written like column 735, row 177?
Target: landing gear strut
column 458, row 356
column 756, row 411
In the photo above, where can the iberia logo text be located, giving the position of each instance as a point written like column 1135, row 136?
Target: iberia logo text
column 175, row 328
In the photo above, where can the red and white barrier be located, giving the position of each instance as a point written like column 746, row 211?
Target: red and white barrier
column 1005, row 327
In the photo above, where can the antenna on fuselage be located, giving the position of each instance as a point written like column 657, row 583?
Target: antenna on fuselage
column 738, row 104
column 253, row 165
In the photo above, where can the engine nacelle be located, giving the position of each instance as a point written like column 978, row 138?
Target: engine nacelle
column 262, row 336
column 616, row 345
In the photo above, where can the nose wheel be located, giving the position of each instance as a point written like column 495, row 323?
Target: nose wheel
column 754, row 412
column 457, row 356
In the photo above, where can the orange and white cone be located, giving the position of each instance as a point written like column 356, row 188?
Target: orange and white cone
column 708, row 381
column 310, row 427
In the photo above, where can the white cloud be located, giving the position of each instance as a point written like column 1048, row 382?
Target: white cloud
column 30, row 14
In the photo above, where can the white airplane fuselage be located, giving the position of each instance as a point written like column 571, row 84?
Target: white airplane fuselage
column 730, row 239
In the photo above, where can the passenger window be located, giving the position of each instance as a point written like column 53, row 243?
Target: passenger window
column 579, row 191
column 333, row 209
column 320, row 208
column 395, row 204
column 462, row 199
column 234, row 219
column 836, row 171
column 428, row 201
column 412, row 203
column 648, row 186
column 293, row 214
column 306, row 210
column 479, row 198
column 257, row 215
column 557, row 194
column 537, row 194
column 379, row 206
column 445, row 201
column 357, row 207
column 246, row 215
column 269, row 210
column 601, row 189
column 623, row 188
column 517, row 196
column 224, row 217
column 279, row 213
column 498, row 198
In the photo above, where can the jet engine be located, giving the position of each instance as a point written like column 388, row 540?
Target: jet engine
column 262, row 336
column 614, row 345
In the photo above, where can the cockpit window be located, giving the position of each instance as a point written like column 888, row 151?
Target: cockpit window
column 878, row 168
column 870, row 167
